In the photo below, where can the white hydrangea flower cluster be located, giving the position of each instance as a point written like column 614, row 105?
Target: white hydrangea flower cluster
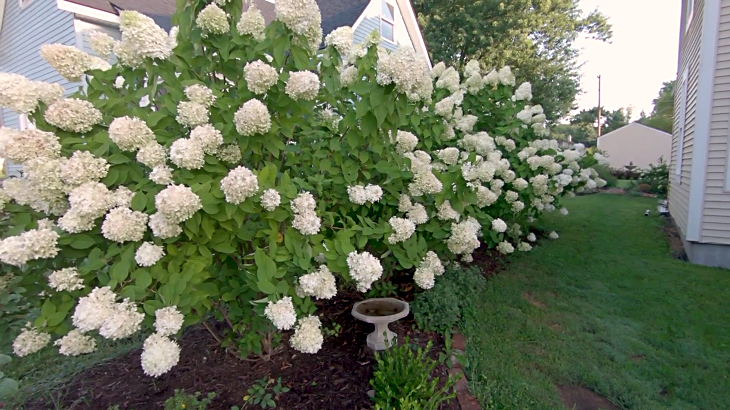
column 29, row 341
column 101, row 43
column 130, row 133
column 159, row 355
column 408, row 72
column 21, row 147
column 364, row 269
column 359, row 194
column 200, row 94
column 449, row 79
column 30, row 245
column 161, row 174
column 553, row 235
column 191, row 114
column 89, row 201
column 187, row 153
column 505, row 248
column 168, row 321
column 70, row 62
column 402, row 229
column 75, row 343
column 213, row 20
column 124, row 225
column 177, row 203
column 319, row 284
column 417, row 214
column 22, row 95
column 450, row 155
column 499, row 225
column 445, row 107
column 308, row 336
column 252, row 118
column 305, row 220
column 464, row 238
column 152, row 155
column 83, row 167
column 148, row 254
column 260, row 76
column 141, row 39
column 348, row 76
column 66, row 279
column 341, row 39
column 99, row 311
column 524, row 247
column 424, row 181
column 405, row 142
column 427, row 270
column 239, row 184
column 302, row 85
column 252, row 23
column 523, row 92
column 73, row 115
column 447, row 213
column 303, row 18
column 281, row 313
column 270, row 199
column 119, row 82
column 531, row 237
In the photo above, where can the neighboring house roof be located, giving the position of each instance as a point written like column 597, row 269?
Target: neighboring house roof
column 634, row 125
column 160, row 11
column 339, row 13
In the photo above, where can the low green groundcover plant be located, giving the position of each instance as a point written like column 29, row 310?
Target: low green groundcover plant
column 402, row 380
column 236, row 169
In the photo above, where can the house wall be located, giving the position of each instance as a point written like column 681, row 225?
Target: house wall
column 370, row 21
column 637, row 144
column 716, row 210
column 23, row 32
column 689, row 61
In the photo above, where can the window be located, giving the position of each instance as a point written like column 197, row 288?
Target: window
column 24, row 3
column 387, row 21
column 680, row 132
column 689, row 13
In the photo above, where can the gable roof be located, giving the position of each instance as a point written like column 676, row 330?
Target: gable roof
column 339, row 13
column 160, row 11
column 636, row 124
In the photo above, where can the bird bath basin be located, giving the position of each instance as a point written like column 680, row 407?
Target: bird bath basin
column 380, row 312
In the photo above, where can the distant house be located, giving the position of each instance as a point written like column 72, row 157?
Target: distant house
column 635, row 144
column 27, row 24
column 699, row 181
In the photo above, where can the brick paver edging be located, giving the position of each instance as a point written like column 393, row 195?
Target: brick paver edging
column 466, row 400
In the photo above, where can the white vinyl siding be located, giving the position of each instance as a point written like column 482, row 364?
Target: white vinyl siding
column 689, row 62
column 716, row 210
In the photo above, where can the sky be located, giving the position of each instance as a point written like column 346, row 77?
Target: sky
column 641, row 55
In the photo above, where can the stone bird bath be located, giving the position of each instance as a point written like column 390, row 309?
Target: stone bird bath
column 380, row 312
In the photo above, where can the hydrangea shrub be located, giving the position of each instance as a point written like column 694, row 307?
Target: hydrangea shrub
column 241, row 170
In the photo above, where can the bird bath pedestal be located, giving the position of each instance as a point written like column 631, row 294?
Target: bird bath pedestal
column 380, row 312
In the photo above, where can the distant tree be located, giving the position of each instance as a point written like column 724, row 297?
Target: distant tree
column 662, row 115
column 610, row 120
column 535, row 37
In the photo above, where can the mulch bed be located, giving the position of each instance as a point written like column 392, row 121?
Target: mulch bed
column 335, row 378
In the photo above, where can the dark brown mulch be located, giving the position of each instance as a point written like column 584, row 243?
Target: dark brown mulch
column 335, row 378
column 580, row 398
column 675, row 240
column 489, row 261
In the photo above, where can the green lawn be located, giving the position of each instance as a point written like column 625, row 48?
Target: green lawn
column 605, row 307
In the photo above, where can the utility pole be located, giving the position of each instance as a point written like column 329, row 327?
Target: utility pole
column 599, row 105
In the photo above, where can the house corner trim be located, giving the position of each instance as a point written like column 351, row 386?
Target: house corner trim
column 705, row 92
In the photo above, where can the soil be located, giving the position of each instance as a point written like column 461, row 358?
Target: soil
column 338, row 377
column 580, row 398
column 675, row 240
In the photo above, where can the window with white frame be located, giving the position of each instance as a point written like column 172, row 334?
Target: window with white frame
column 689, row 13
column 24, row 3
column 387, row 21
column 681, row 126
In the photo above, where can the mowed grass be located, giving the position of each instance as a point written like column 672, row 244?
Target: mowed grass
column 625, row 183
column 605, row 307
